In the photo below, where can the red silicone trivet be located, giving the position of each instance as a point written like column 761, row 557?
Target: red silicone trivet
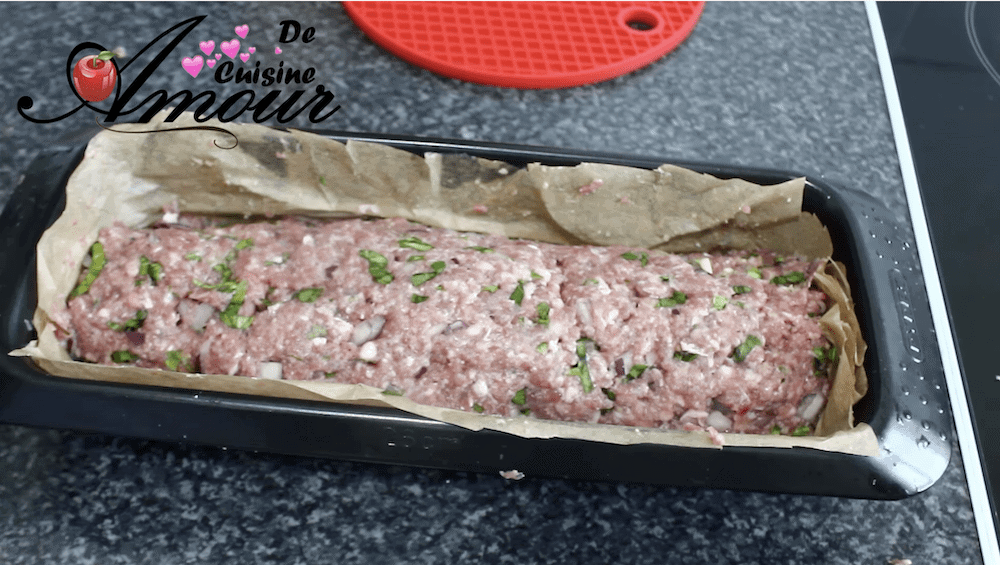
column 528, row 44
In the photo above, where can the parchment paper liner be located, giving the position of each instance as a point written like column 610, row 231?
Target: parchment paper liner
column 131, row 177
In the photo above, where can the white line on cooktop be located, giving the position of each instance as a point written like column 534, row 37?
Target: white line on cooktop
column 953, row 376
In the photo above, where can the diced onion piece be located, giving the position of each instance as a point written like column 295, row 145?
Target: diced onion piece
column 718, row 420
column 693, row 416
column 706, row 264
column 455, row 326
column 368, row 352
column 810, row 406
column 270, row 370
column 480, row 388
column 367, row 330
column 201, row 315
column 583, row 311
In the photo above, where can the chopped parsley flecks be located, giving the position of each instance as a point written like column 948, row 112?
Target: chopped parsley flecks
column 266, row 302
column 581, row 346
column 177, row 359
column 719, row 302
column 478, row 408
column 225, row 271
column 491, row 288
column 316, row 331
column 824, row 359
column 481, row 249
column 755, row 273
column 222, row 286
column 742, row 350
column 685, row 356
column 124, row 356
column 228, row 282
column 776, row 430
column 244, row 243
column 642, row 257
column 518, row 295
column 543, row 313
column 609, row 393
column 392, row 392
column 230, row 316
column 801, row 431
column 150, row 269
column 635, row 372
column 437, row 267
column 542, row 347
column 535, row 276
column 131, row 325
column 741, row 289
column 415, row 243
column 520, row 397
column 308, row 295
column 591, row 281
column 676, row 298
column 581, row 370
column 413, row 258
column 193, row 256
column 418, row 298
column 377, row 266
column 794, row 277
column 824, row 354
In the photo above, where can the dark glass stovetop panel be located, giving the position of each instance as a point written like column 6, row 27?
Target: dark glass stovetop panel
column 946, row 58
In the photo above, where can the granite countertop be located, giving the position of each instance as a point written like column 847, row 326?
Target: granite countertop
column 790, row 86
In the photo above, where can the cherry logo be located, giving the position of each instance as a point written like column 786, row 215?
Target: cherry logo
column 94, row 77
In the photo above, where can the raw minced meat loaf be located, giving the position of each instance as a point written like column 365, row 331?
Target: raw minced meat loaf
column 467, row 321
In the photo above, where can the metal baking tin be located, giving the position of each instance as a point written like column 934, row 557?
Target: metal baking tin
column 906, row 404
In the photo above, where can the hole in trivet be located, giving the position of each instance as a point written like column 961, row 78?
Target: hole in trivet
column 640, row 25
column 640, row 19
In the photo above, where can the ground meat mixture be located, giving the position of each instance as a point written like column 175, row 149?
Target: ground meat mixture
column 474, row 322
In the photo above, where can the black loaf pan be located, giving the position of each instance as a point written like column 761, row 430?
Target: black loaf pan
column 906, row 404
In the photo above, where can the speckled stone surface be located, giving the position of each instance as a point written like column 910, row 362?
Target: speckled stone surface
column 777, row 85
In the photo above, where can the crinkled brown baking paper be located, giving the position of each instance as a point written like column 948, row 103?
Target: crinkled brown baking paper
column 130, row 177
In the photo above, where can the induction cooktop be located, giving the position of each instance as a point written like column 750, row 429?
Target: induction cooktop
column 945, row 59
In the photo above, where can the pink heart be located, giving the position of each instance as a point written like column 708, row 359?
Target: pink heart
column 242, row 31
column 277, row 50
column 210, row 63
column 193, row 66
column 252, row 50
column 231, row 48
column 207, row 46
column 244, row 57
column 218, row 55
